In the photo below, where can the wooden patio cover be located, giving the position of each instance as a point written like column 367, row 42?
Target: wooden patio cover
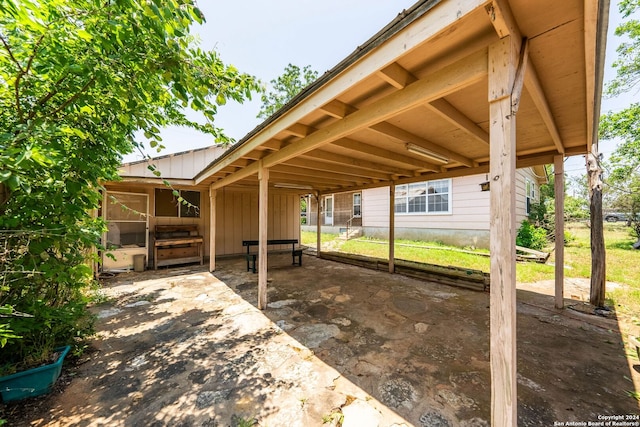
column 449, row 88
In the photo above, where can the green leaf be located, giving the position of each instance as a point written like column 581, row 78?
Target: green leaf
column 84, row 35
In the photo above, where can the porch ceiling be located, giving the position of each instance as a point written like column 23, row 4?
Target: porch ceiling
column 422, row 82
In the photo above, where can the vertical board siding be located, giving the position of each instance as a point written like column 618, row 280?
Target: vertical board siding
column 238, row 219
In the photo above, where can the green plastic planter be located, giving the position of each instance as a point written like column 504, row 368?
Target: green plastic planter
column 32, row 382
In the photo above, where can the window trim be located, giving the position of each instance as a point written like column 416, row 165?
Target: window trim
column 530, row 194
column 449, row 193
column 354, row 204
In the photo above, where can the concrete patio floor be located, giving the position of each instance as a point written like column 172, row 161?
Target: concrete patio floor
column 338, row 343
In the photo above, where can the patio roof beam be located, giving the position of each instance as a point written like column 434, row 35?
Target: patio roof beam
column 457, row 118
column 400, row 134
column 338, row 168
column 356, row 166
column 452, row 173
column 534, row 88
column 449, row 79
column 282, row 173
column 351, row 144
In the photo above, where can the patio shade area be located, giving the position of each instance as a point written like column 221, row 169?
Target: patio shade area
column 449, row 88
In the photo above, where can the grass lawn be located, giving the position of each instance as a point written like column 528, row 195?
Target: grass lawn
column 623, row 262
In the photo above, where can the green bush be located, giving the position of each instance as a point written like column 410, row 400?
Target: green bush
column 45, row 278
column 532, row 237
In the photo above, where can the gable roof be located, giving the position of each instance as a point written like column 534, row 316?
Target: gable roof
column 422, row 83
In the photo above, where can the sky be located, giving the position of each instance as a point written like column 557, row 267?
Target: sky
column 262, row 37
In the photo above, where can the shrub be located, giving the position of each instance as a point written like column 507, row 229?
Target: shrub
column 532, row 237
column 45, row 278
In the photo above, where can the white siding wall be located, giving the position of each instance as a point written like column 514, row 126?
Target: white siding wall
column 470, row 208
column 521, row 199
column 470, row 205
column 467, row 224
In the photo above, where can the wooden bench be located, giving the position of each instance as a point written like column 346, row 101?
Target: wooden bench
column 177, row 244
column 252, row 257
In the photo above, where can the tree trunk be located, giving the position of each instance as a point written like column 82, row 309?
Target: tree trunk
column 598, row 256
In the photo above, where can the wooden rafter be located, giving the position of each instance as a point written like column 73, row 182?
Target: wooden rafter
column 400, row 134
column 387, row 154
column 534, row 88
column 396, row 76
column 279, row 176
column 441, row 83
column 272, row 145
column 299, row 130
column 342, row 168
column 453, row 115
column 504, row 23
column 337, row 109
column 315, row 173
column 357, row 166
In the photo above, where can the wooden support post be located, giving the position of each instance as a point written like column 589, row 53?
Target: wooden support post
column 212, row 229
column 318, row 227
column 558, row 167
column 263, row 215
column 392, row 227
column 503, row 57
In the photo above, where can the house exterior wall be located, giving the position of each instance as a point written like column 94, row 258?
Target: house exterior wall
column 466, row 225
column 236, row 216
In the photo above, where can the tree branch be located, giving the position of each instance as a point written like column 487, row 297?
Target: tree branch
column 16, row 84
column 74, row 97
column 13, row 58
column 33, row 54
column 48, row 96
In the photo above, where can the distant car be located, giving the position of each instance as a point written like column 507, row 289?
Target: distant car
column 615, row 217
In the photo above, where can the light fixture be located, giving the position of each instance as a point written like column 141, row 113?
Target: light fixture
column 421, row 151
column 485, row 186
column 292, row 186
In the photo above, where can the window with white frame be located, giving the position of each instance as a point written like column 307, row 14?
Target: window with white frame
column 357, row 205
column 530, row 192
column 424, row 197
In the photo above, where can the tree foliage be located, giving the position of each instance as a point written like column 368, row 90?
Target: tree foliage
column 285, row 87
column 78, row 79
column 623, row 179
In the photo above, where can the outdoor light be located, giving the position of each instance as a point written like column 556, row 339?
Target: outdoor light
column 485, row 186
column 421, row 151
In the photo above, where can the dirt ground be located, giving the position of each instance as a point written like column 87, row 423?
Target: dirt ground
column 337, row 344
